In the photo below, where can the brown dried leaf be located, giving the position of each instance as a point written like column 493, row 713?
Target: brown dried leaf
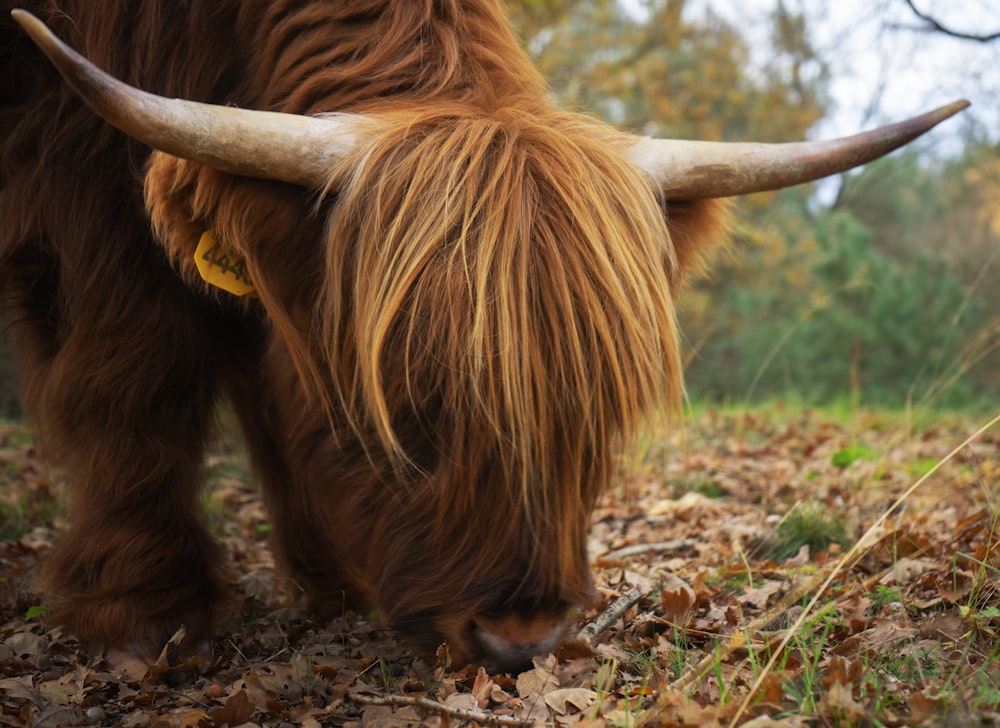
column 482, row 688
column 907, row 569
column 923, row 708
column 463, row 701
column 194, row 719
column 759, row 597
column 772, row 688
column 236, row 711
column 579, row 698
column 844, row 671
column 20, row 688
column 536, row 683
column 677, row 599
column 26, row 645
column 947, row 625
column 840, row 701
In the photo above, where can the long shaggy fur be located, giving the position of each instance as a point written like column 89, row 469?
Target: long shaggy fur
column 505, row 313
column 448, row 343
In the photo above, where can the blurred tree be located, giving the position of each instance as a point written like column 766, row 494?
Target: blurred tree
column 921, row 208
column 878, row 296
column 666, row 75
column 859, row 323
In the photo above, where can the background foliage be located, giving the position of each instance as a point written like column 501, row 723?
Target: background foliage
column 885, row 295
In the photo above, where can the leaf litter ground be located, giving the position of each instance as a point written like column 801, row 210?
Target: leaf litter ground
column 704, row 559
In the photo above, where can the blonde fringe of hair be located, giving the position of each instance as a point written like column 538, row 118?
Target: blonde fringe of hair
column 508, row 275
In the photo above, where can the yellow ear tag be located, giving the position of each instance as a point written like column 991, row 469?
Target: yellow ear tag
column 220, row 267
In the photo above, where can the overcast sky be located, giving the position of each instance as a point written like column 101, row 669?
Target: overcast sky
column 884, row 70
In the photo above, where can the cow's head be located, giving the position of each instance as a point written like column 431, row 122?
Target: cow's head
column 484, row 314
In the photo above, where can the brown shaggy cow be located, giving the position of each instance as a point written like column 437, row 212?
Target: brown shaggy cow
column 463, row 304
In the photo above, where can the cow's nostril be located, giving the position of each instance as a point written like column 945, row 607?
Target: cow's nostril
column 511, row 642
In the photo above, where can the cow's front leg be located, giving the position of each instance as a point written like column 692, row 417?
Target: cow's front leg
column 136, row 563
column 123, row 402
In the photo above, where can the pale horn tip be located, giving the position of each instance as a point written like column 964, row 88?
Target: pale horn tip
column 948, row 110
column 38, row 31
column 71, row 65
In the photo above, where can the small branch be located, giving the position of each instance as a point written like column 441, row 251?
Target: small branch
column 433, row 705
column 934, row 25
column 600, row 624
column 658, row 547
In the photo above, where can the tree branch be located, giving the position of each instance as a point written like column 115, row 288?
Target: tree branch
column 657, row 547
column 936, row 26
column 435, row 706
column 610, row 615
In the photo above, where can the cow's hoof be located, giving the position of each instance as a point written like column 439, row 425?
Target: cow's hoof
column 131, row 663
column 175, row 663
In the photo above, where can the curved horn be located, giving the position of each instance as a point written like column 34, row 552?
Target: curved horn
column 303, row 149
column 291, row 148
column 689, row 170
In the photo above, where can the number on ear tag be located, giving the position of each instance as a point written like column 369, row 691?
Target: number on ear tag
column 220, row 267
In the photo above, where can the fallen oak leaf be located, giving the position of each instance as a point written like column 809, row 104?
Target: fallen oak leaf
column 271, row 686
column 579, row 698
column 839, row 700
column 772, row 688
column 195, row 719
column 677, row 599
column 672, row 708
column 462, row 701
column 759, row 597
column 535, row 683
column 57, row 692
column 924, row 708
column 26, row 645
column 946, row 626
column 844, row 671
column 21, row 688
column 236, row 710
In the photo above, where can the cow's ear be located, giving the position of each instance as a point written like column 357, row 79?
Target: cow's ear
column 171, row 190
column 697, row 227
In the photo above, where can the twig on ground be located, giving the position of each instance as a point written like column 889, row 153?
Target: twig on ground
column 428, row 704
column 658, row 547
column 614, row 611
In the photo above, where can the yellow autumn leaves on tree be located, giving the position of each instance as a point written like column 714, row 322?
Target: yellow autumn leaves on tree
column 879, row 294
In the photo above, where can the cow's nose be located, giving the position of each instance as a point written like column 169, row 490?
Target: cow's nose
column 511, row 641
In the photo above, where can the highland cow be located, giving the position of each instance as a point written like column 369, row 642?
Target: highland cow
column 459, row 302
